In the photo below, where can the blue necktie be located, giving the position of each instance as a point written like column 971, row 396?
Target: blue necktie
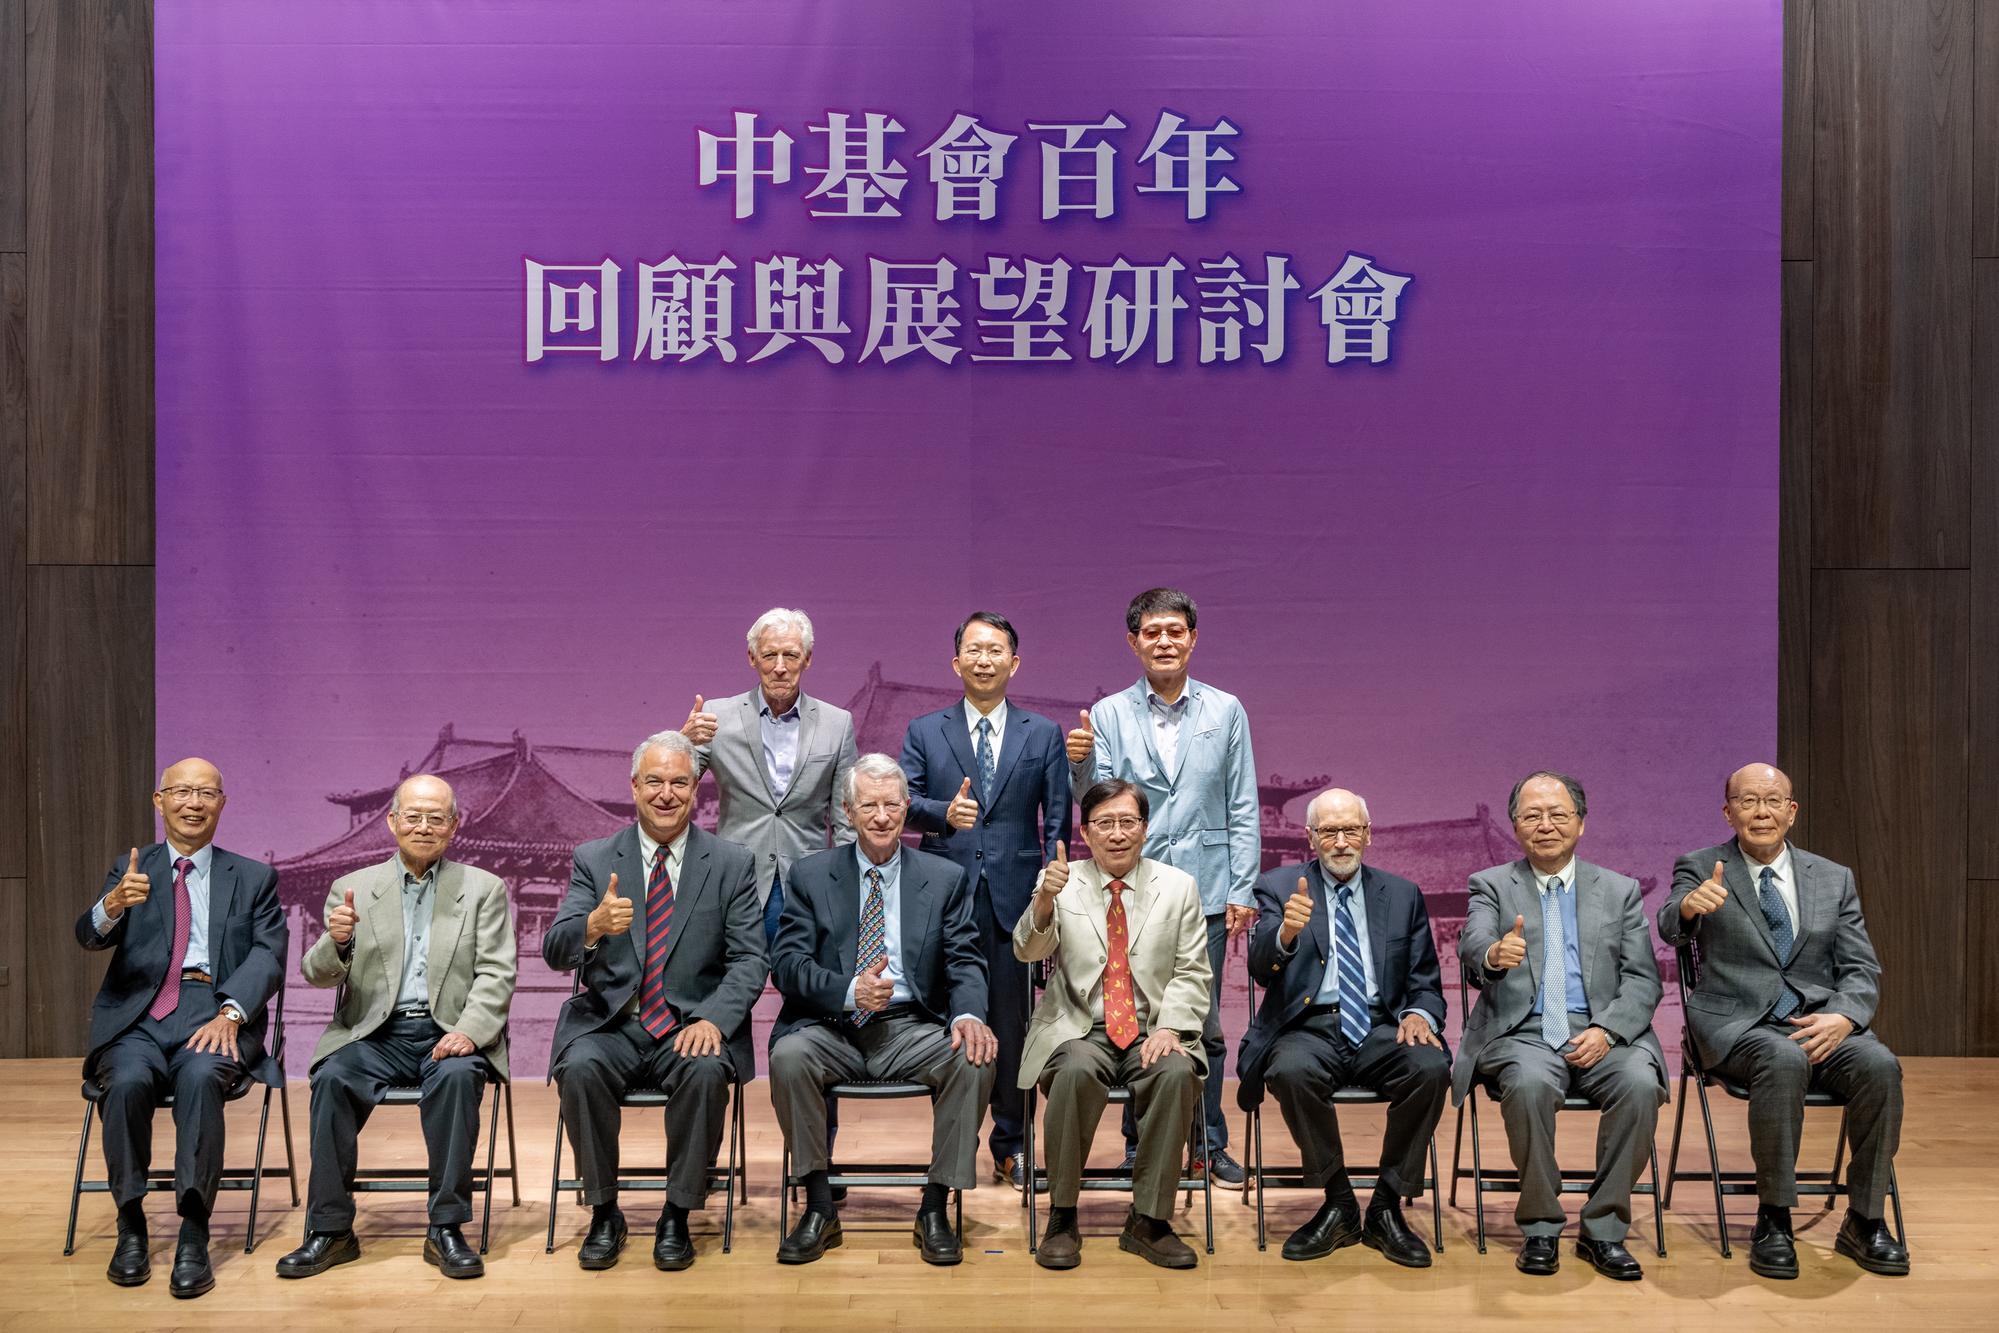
column 1780, row 931
column 1355, row 1016
column 985, row 757
column 1554, row 969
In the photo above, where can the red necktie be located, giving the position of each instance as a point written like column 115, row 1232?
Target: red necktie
column 1120, row 1006
column 169, row 997
column 654, row 1012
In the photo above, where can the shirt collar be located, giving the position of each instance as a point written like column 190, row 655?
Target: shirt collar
column 998, row 715
column 427, row 877
column 788, row 715
column 1334, row 882
column 647, row 847
column 1567, row 874
column 891, row 873
column 202, row 858
column 1782, row 865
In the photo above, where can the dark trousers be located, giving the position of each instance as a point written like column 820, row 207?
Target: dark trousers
column 1077, row 1081
column 1212, row 1045
column 1860, row 1069
column 349, row 1084
column 1009, row 998
column 773, row 910
column 1310, row 1061
column 139, row 1067
column 599, row 1067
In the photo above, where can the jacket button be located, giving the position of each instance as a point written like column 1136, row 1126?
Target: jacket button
column 978, row 856
column 989, row 819
column 1100, row 958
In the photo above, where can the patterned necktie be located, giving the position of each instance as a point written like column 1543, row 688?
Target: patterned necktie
column 1554, row 969
column 985, row 756
column 169, row 997
column 1354, row 1013
column 873, row 946
column 654, row 1012
column 1120, row 1005
column 1780, row 931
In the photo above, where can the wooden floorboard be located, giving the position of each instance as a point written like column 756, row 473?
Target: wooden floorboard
column 1948, row 1166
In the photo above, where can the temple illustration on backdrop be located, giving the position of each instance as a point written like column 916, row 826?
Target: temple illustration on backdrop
column 525, row 806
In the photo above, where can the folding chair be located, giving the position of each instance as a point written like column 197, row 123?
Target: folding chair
column 249, row 1178
column 1263, row 1177
column 1507, row 1179
column 1827, row 1183
column 397, row 1179
column 1115, row 1178
column 882, row 1175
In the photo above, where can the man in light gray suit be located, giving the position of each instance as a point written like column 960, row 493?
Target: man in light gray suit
column 778, row 756
column 1567, row 986
column 662, row 919
column 1787, row 987
column 422, row 949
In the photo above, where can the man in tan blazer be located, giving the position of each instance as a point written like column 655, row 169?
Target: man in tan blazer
column 1124, row 1006
column 423, row 951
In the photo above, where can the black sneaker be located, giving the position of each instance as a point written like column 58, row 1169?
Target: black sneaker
column 1225, row 1170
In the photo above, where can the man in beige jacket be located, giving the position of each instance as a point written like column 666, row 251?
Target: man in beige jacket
column 1124, row 1006
column 423, row 951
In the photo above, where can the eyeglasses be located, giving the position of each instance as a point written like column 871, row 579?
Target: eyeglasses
column 182, row 795
column 1560, row 819
column 869, row 809
column 1173, row 633
column 1335, row 832
column 1117, row 824
column 653, row 785
column 416, row 819
column 985, row 653
column 1749, row 805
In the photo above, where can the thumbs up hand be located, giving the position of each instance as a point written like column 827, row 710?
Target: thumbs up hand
column 1297, row 914
column 1708, row 898
column 340, row 922
column 132, row 888
column 1083, row 740
column 872, row 988
column 612, row 916
column 700, row 724
column 1054, row 875
column 1509, row 950
column 963, row 812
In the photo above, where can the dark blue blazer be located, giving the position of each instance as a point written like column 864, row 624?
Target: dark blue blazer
column 1020, row 820
column 1406, row 974
column 248, row 942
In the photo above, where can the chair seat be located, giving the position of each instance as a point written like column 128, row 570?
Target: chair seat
column 879, row 1089
column 94, row 1092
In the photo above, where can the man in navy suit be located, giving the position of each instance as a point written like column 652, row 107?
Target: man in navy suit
column 882, row 978
column 1352, row 995
column 199, row 947
column 989, row 789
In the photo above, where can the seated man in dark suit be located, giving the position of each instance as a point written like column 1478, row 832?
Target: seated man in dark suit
column 663, row 919
column 200, row 945
column 879, row 963
column 1352, row 995
column 1787, row 989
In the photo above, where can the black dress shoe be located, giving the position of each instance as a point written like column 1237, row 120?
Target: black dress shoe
column 672, row 1247
column 191, row 1276
column 1868, row 1242
column 1610, row 1258
column 935, row 1238
column 130, row 1265
column 444, row 1245
column 815, row 1234
column 1335, row 1226
column 1385, row 1230
column 1772, row 1252
column 1540, row 1255
column 1061, row 1245
column 322, row 1250
column 604, row 1242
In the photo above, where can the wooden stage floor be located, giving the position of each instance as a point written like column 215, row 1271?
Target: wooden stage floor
column 1949, row 1171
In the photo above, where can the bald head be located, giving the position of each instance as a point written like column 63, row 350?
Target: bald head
column 1760, row 776
column 1338, row 822
column 1761, row 810
column 191, row 773
column 190, row 802
column 427, row 790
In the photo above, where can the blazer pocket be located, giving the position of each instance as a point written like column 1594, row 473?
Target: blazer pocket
column 1711, row 1004
column 1214, row 837
column 1029, row 855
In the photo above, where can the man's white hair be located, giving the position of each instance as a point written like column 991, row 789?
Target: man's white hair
column 670, row 741
column 873, row 766
column 780, row 617
column 450, row 796
column 1312, row 806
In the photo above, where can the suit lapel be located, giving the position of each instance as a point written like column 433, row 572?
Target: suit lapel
column 1137, row 907
column 1816, row 907
column 447, row 921
column 1096, row 897
column 687, row 890
column 221, row 897
column 1592, row 923
column 1527, row 906
column 1736, row 879
column 808, row 722
column 1321, row 927
column 1016, row 738
column 753, row 736
column 1190, row 727
column 845, row 910
column 1375, row 894
column 915, row 932
column 1141, row 712
column 384, row 913
column 960, row 744
column 630, row 868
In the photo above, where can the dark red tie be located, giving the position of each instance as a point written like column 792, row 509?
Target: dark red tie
column 1120, row 1004
column 169, row 997
column 654, row 1012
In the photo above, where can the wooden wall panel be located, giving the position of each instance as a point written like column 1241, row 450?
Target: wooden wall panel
column 90, row 281
column 13, row 969
column 1981, row 968
column 1985, row 131
column 1890, row 669
column 90, row 759
column 13, row 127
column 1794, row 525
column 1797, row 195
column 13, row 568
column 1891, row 241
column 1983, row 818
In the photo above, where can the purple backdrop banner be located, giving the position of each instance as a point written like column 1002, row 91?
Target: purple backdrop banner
column 486, row 427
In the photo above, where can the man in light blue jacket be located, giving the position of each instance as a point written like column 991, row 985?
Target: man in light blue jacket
column 1185, row 744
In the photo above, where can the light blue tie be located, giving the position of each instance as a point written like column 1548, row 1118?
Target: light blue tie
column 985, row 757
column 1780, row 932
column 1355, row 1017
column 1554, row 969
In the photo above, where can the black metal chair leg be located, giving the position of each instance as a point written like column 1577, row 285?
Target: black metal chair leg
column 513, row 1148
column 1207, row 1181
column 1895, row 1201
column 729, row 1182
column 1254, row 1131
column 1477, row 1170
column 1679, row 1119
column 1458, row 1153
column 257, row 1172
column 784, row 1194
column 554, row 1183
column 1658, row 1215
column 76, row 1186
column 1436, row 1196
column 1714, row 1168
column 1031, row 1179
column 492, row 1150
column 285, row 1115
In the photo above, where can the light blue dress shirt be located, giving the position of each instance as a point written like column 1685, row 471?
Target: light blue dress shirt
column 780, row 741
column 1572, row 952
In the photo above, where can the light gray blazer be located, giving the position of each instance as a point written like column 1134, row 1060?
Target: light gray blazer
column 471, row 972
column 1833, row 965
column 806, row 817
column 1620, row 978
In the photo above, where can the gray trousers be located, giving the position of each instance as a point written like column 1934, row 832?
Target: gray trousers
column 1860, row 1069
column 1312, row 1060
column 349, row 1084
column 151, row 1058
column 900, row 1046
column 598, row 1067
column 1077, row 1081
column 1213, row 1045
column 1532, row 1080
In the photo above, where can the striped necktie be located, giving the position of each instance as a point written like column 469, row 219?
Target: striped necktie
column 654, row 1012
column 1355, row 1016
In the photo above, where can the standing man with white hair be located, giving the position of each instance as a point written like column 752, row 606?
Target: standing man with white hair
column 778, row 756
